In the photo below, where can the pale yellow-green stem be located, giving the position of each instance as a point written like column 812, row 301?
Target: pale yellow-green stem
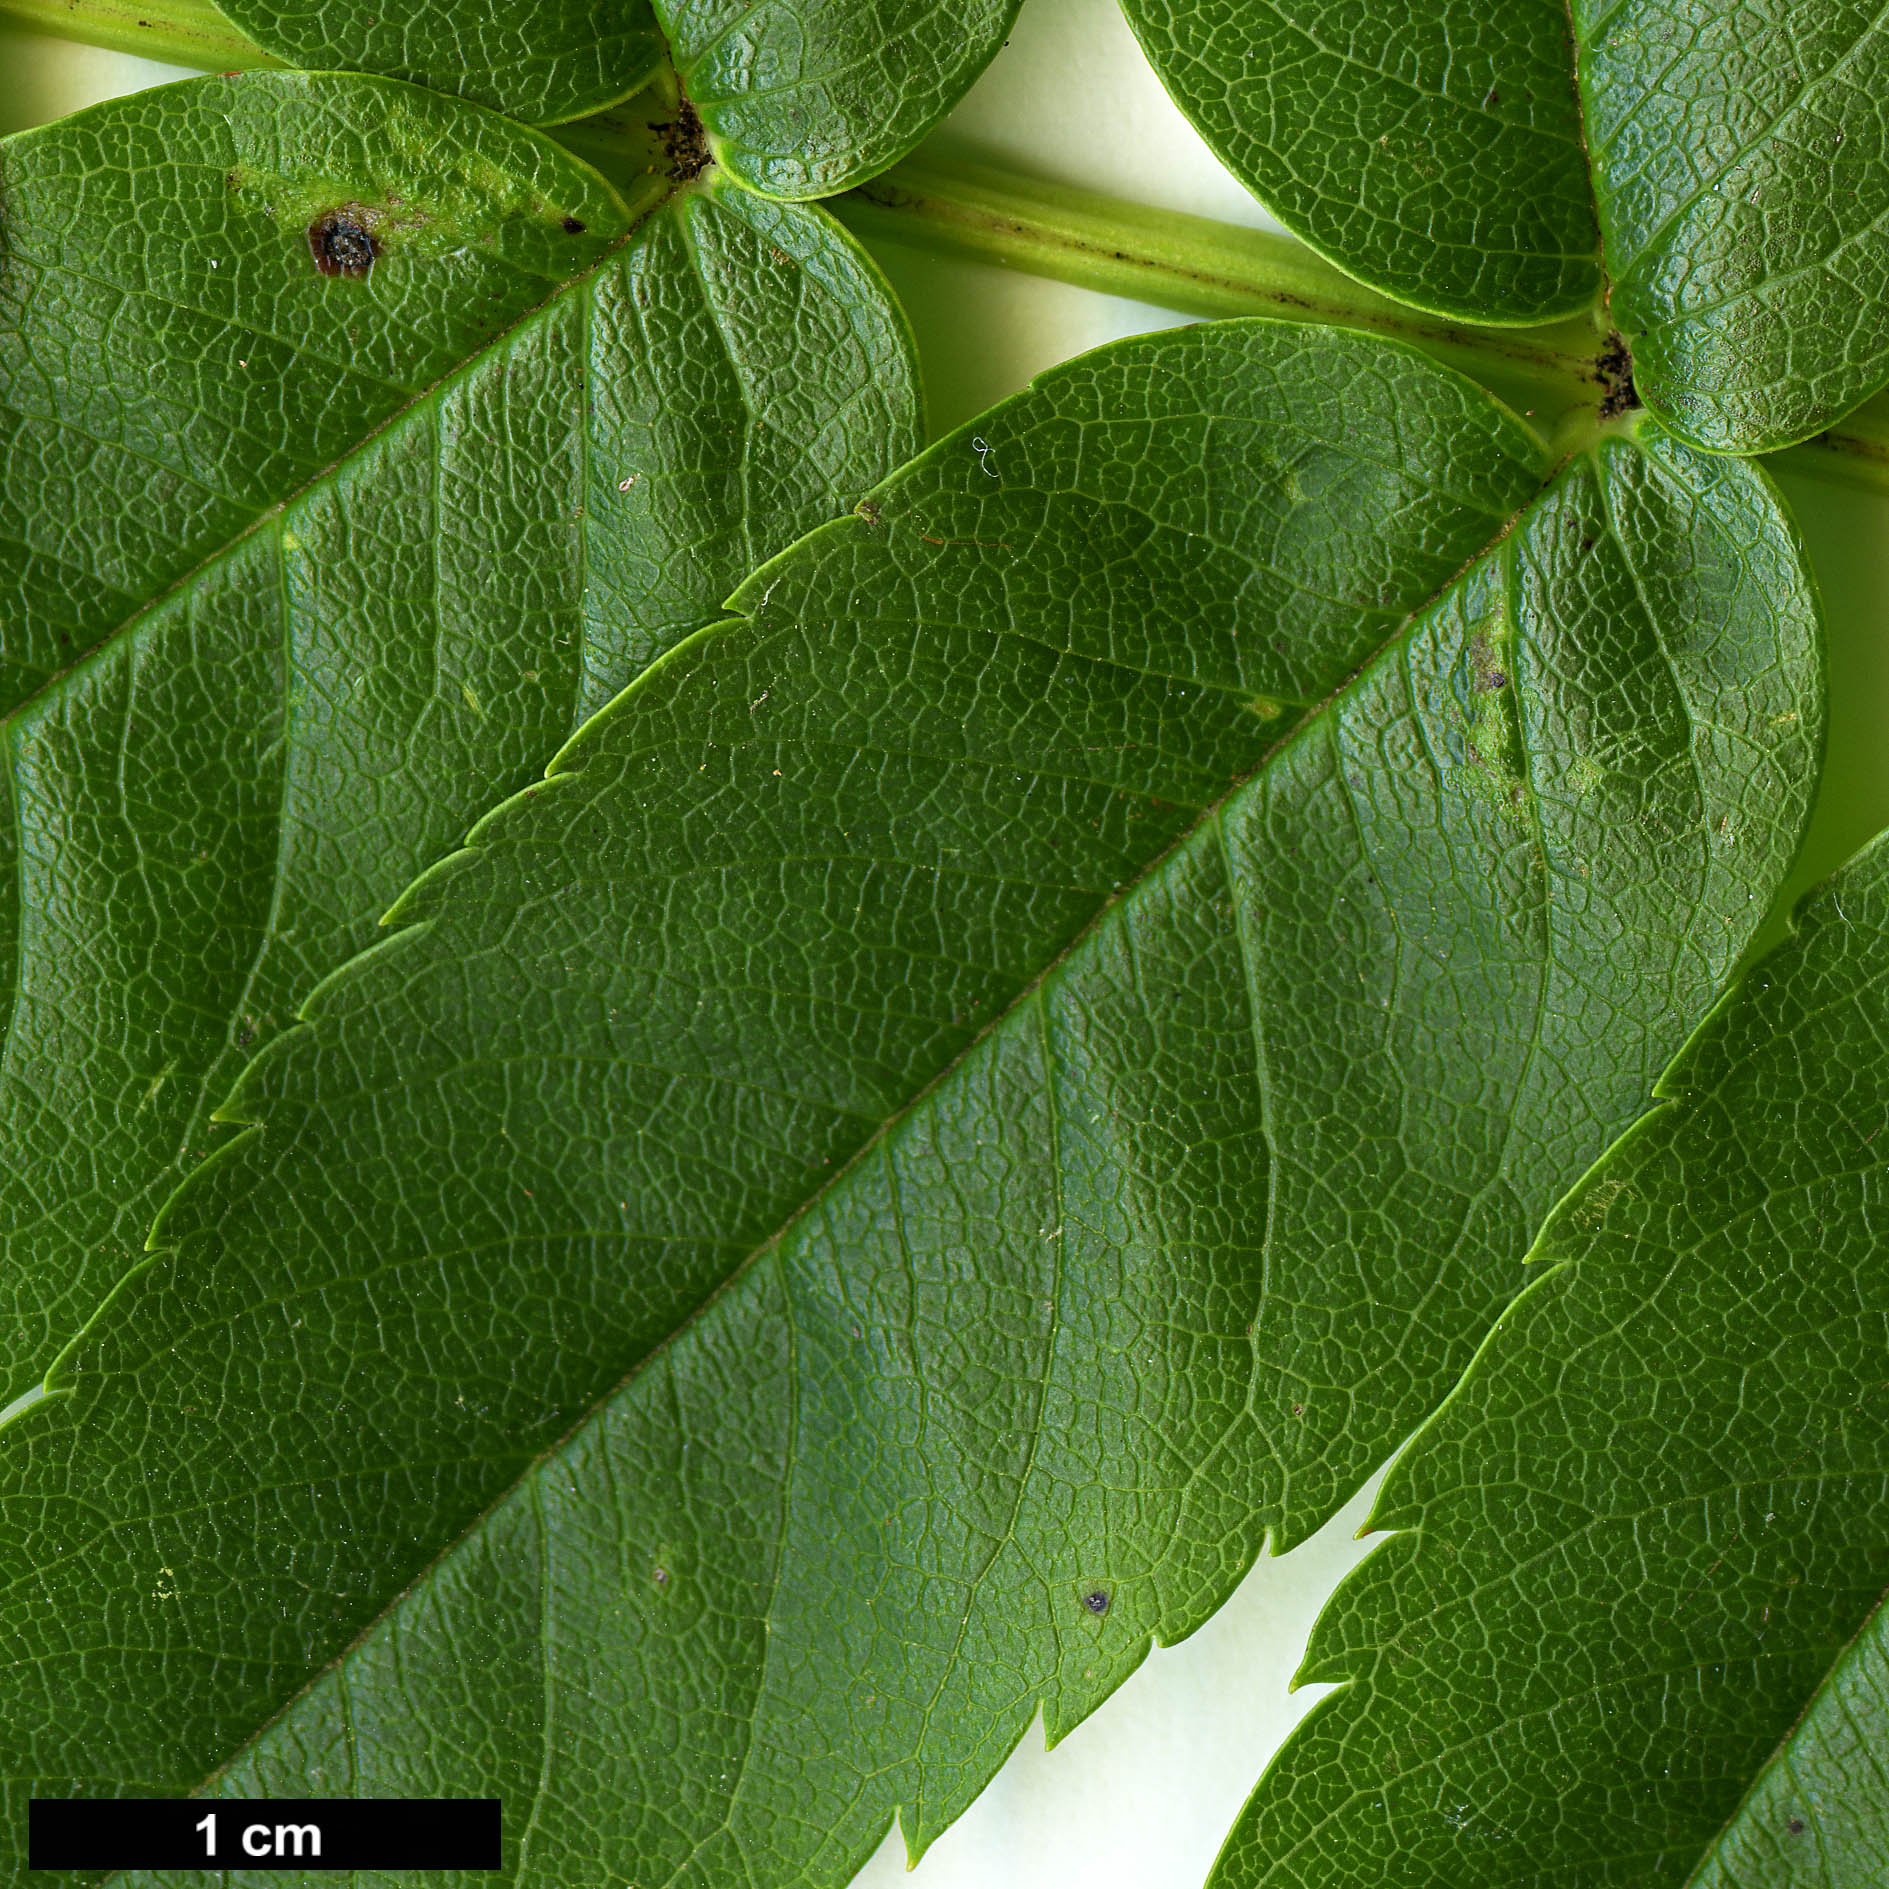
column 179, row 32
column 1196, row 266
column 1189, row 264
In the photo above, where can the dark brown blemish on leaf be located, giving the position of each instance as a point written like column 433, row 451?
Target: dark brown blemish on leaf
column 685, row 144
column 1795, row 1826
column 342, row 244
column 1614, row 371
column 1097, row 1602
column 1482, row 661
column 572, row 227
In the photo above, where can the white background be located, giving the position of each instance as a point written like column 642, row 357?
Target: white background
column 1141, row 1795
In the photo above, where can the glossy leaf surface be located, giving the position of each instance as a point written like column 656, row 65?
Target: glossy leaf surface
column 175, row 363
column 218, row 804
column 1643, row 1531
column 968, row 1167
column 1734, row 158
column 1741, row 165
column 1433, row 150
column 802, row 98
column 1818, row 1815
column 799, row 98
column 540, row 60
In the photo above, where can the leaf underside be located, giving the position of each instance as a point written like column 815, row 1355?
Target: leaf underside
column 215, row 807
column 799, row 98
column 969, row 1169
column 1734, row 158
column 176, row 364
column 1441, row 166
column 543, row 61
column 1818, row 1815
column 804, row 98
column 1645, row 1528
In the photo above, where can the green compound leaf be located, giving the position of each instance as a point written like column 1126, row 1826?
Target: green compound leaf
column 175, row 364
column 1741, row 161
column 803, row 98
column 214, row 808
column 1645, row 1531
column 798, row 98
column 1734, row 158
column 872, row 1191
column 1432, row 150
column 540, row 60
column 1818, row 1816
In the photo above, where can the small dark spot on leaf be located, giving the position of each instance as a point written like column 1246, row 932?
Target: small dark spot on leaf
column 342, row 244
column 572, row 227
column 1097, row 1602
column 1491, row 98
column 661, row 1577
column 1498, row 679
column 1795, row 1826
column 685, row 142
column 1614, row 371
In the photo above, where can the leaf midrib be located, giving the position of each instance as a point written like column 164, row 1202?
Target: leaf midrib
column 873, row 1145
column 665, row 193
column 271, row 521
column 1759, row 138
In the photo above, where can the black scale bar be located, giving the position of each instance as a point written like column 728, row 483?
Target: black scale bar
column 265, row 1833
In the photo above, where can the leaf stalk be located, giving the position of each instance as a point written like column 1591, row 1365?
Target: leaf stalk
column 179, row 32
column 943, row 203
column 1197, row 266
